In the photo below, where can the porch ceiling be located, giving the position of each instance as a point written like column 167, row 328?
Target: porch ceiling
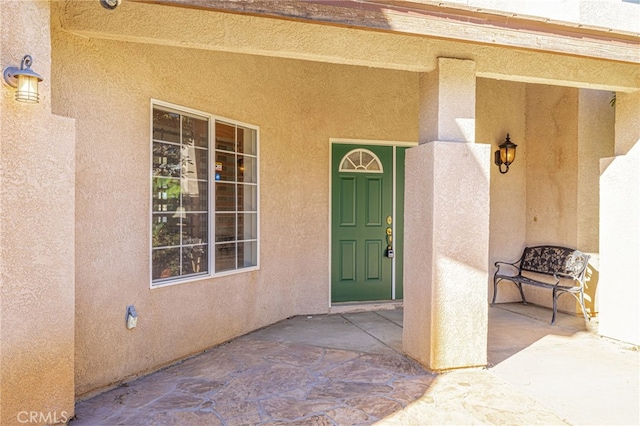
column 368, row 34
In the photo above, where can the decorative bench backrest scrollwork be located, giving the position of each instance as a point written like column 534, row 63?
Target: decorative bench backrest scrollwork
column 552, row 260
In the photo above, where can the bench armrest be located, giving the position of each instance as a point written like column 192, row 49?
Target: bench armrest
column 515, row 265
column 501, row 264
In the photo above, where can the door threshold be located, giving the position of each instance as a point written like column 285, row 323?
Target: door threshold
column 378, row 305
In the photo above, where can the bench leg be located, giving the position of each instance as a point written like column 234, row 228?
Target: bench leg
column 584, row 310
column 579, row 298
column 495, row 291
column 555, row 306
column 524, row 301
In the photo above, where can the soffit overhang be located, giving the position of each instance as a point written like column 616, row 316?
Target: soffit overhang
column 174, row 23
column 441, row 20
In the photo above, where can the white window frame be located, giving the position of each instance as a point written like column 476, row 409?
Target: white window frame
column 211, row 212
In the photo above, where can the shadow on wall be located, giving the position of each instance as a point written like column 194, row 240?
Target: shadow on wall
column 590, row 290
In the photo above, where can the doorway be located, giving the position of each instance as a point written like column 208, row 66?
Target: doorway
column 367, row 207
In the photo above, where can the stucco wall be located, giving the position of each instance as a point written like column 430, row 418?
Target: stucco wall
column 552, row 165
column 568, row 131
column 36, row 234
column 596, row 138
column 552, row 175
column 299, row 105
column 500, row 109
column 550, row 194
column 620, row 226
column 107, row 66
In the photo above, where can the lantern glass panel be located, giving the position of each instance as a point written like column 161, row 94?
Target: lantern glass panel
column 27, row 89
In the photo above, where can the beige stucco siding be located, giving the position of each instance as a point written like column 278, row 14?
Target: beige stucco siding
column 550, row 194
column 500, row 109
column 263, row 71
column 36, row 234
column 75, row 174
column 568, row 131
column 552, row 165
column 596, row 136
column 298, row 105
column 620, row 226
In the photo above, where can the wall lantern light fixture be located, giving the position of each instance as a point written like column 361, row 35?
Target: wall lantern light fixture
column 505, row 155
column 24, row 79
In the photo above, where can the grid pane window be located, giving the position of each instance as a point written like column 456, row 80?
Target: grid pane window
column 236, row 197
column 204, row 196
column 179, row 195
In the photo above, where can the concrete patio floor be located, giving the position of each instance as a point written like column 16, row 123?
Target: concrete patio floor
column 348, row 369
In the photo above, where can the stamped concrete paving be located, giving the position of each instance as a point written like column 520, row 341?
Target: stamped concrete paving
column 311, row 370
column 348, row 369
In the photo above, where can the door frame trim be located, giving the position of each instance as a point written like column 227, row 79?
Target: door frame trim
column 346, row 141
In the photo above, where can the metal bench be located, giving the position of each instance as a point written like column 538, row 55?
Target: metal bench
column 559, row 262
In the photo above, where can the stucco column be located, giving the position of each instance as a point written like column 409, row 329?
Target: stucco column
column 36, row 234
column 448, row 102
column 618, row 289
column 447, row 226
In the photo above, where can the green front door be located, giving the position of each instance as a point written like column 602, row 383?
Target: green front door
column 362, row 220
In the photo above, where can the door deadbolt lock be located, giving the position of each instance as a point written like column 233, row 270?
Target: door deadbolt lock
column 390, row 253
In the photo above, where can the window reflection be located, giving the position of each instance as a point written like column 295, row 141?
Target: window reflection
column 180, row 199
column 195, row 176
column 225, row 257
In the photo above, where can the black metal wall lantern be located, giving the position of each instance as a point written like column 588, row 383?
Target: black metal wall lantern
column 505, row 155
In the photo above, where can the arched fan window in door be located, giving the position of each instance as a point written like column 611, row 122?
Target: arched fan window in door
column 361, row 160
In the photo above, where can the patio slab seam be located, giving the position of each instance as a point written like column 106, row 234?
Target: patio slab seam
column 375, row 337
